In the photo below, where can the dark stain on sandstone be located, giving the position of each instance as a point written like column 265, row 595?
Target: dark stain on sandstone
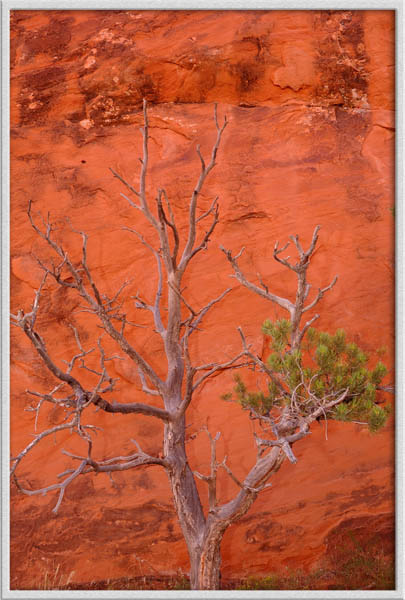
column 371, row 496
column 52, row 39
column 341, row 58
column 362, row 531
column 39, row 92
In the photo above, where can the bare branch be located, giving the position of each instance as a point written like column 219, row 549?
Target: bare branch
column 87, row 465
column 17, row 459
column 96, row 304
column 159, row 223
column 255, row 490
column 189, row 250
column 283, row 302
column 85, row 267
column 254, row 482
column 283, row 444
column 128, row 185
column 139, row 458
column 82, row 396
column 209, row 211
column 306, row 327
column 204, row 243
column 56, row 486
column 156, row 308
column 198, row 316
column 215, row 367
column 171, row 223
column 64, row 402
column 144, row 162
column 386, row 388
column 201, row 158
column 320, row 295
column 111, row 301
column 190, row 372
column 145, row 387
column 199, row 475
column 211, row 479
column 327, row 406
column 39, row 344
column 283, row 261
column 297, row 308
column 131, row 408
column 182, row 298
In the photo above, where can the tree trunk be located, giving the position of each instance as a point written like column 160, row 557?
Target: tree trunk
column 185, row 494
column 203, row 536
column 205, row 571
column 208, row 572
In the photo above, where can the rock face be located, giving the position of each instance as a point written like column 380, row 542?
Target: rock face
column 309, row 98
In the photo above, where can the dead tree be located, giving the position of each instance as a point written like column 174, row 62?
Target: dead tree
column 202, row 532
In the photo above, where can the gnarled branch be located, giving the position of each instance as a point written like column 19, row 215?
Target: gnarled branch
column 297, row 308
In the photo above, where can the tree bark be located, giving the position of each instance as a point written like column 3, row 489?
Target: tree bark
column 185, row 494
column 205, row 546
column 206, row 570
column 203, row 536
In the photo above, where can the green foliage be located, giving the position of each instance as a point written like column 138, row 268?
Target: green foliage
column 259, row 401
column 378, row 374
column 324, row 366
column 377, row 417
column 279, row 332
column 342, row 412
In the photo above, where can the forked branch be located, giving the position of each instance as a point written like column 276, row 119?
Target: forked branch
column 96, row 302
column 89, row 465
column 211, row 479
column 190, row 250
column 297, row 308
column 81, row 396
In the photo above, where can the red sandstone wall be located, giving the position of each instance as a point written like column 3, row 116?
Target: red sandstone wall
column 309, row 96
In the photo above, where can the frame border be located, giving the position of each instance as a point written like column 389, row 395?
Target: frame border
column 397, row 5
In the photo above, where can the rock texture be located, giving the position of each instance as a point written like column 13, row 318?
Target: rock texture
column 309, row 96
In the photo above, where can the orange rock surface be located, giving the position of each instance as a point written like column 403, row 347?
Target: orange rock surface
column 309, row 98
